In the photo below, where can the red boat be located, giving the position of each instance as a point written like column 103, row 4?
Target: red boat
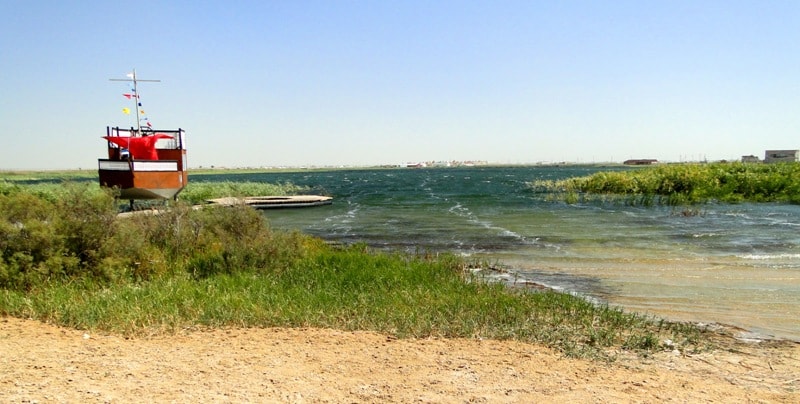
column 144, row 163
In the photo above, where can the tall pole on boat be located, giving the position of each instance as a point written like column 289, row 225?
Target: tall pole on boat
column 132, row 78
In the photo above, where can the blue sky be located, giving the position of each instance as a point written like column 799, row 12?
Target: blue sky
column 302, row 83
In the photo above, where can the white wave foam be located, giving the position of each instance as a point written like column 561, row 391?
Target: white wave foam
column 769, row 256
column 461, row 211
column 700, row 235
column 346, row 217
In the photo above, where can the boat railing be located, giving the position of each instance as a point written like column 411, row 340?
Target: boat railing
column 137, row 166
column 175, row 143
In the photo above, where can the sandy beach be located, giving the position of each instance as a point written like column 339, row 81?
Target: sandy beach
column 45, row 363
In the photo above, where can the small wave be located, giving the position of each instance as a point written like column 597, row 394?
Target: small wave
column 768, row 256
column 461, row 211
column 346, row 217
column 701, row 235
column 516, row 279
column 514, row 235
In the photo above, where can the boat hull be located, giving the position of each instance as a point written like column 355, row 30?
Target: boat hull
column 143, row 179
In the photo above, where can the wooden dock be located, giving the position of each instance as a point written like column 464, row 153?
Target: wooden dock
column 274, row 202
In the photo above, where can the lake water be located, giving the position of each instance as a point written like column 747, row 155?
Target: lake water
column 730, row 264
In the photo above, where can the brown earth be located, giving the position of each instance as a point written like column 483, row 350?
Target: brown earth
column 45, row 363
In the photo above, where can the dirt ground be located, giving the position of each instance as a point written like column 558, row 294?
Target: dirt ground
column 44, row 363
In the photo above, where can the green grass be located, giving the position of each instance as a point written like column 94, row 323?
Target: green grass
column 350, row 289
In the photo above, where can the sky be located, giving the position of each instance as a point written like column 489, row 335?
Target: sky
column 361, row 83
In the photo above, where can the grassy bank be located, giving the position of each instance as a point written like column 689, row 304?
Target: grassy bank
column 50, row 185
column 69, row 260
column 679, row 184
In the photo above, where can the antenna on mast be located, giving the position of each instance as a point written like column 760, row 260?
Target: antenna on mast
column 132, row 78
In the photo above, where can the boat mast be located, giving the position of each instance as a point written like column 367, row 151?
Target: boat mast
column 132, row 78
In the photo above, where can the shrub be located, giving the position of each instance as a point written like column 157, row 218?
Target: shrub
column 32, row 248
column 76, row 234
column 84, row 219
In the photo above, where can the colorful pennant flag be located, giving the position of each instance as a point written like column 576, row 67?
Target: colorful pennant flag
column 132, row 94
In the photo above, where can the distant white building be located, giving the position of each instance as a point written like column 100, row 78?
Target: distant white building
column 750, row 159
column 781, row 156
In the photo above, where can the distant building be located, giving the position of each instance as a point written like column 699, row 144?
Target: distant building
column 640, row 162
column 750, row 159
column 781, row 156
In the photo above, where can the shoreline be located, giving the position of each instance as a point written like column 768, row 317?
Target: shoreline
column 740, row 333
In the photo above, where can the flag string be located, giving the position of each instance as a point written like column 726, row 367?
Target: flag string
column 132, row 95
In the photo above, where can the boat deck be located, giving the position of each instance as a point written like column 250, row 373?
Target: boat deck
column 273, row 202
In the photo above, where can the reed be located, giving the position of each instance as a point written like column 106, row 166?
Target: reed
column 198, row 192
column 683, row 184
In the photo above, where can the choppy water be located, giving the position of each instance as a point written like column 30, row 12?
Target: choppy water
column 730, row 264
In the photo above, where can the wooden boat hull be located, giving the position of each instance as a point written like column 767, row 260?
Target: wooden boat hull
column 143, row 179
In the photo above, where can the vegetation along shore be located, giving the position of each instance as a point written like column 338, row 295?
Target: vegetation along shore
column 69, row 260
column 682, row 184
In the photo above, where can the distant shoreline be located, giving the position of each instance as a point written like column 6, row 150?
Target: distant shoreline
column 5, row 174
